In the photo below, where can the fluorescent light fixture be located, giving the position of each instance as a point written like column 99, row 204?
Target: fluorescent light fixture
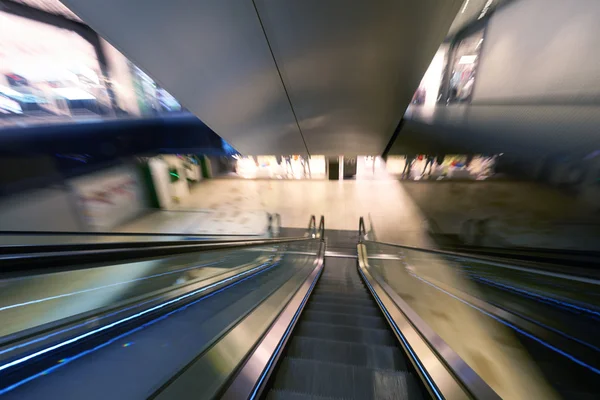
column 467, row 59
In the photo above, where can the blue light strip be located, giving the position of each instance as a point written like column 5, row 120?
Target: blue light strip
column 401, row 336
column 59, row 296
column 137, row 315
column 284, row 338
column 529, row 335
column 536, row 296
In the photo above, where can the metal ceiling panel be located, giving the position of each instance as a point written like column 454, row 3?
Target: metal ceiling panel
column 352, row 67
column 212, row 56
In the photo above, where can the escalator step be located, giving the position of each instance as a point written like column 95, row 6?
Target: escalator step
column 318, row 296
column 344, row 308
column 358, row 321
column 342, row 278
column 289, row 395
column 336, row 286
column 343, row 292
column 371, row 356
column 345, row 334
column 338, row 283
column 346, row 381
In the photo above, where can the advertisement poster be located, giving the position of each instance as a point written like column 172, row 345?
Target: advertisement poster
column 109, row 198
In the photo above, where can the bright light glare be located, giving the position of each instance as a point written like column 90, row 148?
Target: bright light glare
column 467, row 59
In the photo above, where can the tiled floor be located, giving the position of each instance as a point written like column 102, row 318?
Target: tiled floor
column 241, row 206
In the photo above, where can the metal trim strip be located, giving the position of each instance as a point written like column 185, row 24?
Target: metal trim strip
column 28, row 263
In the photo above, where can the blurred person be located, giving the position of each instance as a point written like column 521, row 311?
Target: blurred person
column 468, row 160
column 288, row 165
column 430, row 160
column 410, row 159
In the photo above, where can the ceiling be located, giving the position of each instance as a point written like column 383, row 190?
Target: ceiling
column 328, row 77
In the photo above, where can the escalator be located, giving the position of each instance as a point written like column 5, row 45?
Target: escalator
column 343, row 346
column 287, row 318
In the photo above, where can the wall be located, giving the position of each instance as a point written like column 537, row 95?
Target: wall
column 537, row 87
column 49, row 209
column 542, row 50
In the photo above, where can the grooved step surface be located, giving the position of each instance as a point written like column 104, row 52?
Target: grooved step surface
column 372, row 356
column 289, row 395
column 345, row 308
column 346, row 334
column 345, row 319
column 342, row 347
column 347, row 381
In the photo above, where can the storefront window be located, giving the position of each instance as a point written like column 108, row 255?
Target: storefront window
column 463, row 68
column 52, row 74
column 46, row 70
column 428, row 92
column 152, row 99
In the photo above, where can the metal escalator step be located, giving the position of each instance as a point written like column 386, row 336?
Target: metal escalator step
column 338, row 380
column 344, row 308
column 371, row 356
column 358, row 321
column 336, row 286
column 345, row 334
column 333, row 277
column 343, row 290
column 290, row 395
column 327, row 290
column 341, row 299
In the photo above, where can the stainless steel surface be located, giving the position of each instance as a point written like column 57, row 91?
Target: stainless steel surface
column 255, row 372
column 350, row 68
column 576, row 350
column 33, row 305
column 139, row 363
column 57, row 338
column 445, row 384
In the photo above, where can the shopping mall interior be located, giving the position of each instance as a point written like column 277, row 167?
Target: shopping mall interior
column 299, row 200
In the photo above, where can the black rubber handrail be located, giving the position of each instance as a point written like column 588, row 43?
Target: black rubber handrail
column 362, row 231
column 322, row 228
column 580, row 273
column 53, row 248
column 312, row 226
column 580, row 258
column 77, row 259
